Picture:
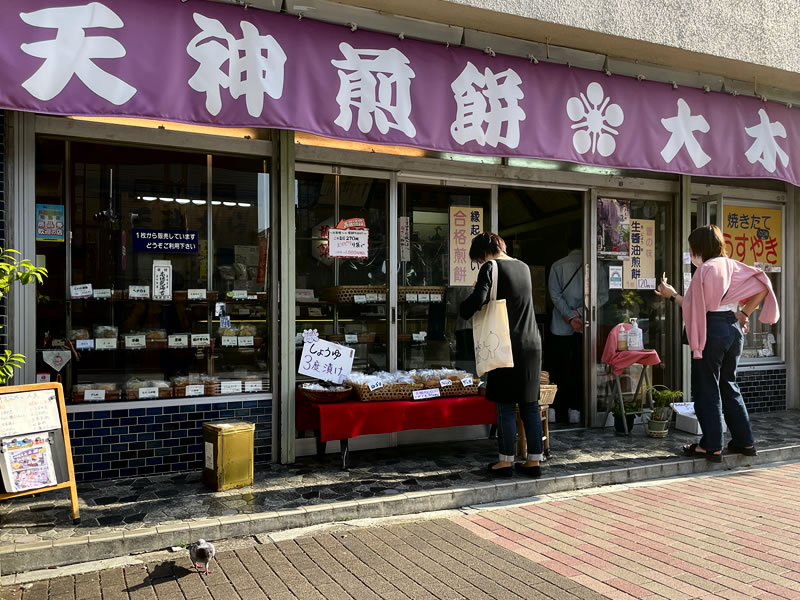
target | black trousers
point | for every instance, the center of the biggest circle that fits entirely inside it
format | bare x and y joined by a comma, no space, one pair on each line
566,371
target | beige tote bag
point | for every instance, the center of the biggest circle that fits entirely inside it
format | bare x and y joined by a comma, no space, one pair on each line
491,333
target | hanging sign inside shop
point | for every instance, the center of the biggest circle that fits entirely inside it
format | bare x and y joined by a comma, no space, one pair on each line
465,223
639,271
57,359
404,238
613,228
753,235
162,240
49,223
325,360
263,254
348,243
162,280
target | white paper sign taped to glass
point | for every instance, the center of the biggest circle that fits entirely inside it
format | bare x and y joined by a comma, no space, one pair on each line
466,222
642,263
326,361
27,462
348,243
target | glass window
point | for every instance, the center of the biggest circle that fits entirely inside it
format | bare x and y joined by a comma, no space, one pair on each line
166,295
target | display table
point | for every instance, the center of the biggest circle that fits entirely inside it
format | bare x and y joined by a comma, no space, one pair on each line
344,420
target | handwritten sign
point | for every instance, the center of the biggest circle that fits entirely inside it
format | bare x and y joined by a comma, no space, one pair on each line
642,263
28,412
404,238
229,341
180,340
141,292
102,294
80,291
84,344
94,395
231,387
197,294
252,386
245,341
350,338
445,383
326,360
201,340
753,234
135,342
465,223
148,392
195,390
426,394
348,243
105,344
375,385
466,381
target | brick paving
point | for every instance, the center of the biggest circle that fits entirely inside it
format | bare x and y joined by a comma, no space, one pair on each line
735,536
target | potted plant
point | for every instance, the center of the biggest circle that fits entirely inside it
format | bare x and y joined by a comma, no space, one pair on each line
632,407
661,415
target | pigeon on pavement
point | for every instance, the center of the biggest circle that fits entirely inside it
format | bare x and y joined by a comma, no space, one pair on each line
201,553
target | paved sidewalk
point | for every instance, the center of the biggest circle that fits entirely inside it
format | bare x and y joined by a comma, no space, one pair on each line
733,536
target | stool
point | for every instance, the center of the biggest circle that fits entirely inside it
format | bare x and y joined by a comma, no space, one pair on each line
644,377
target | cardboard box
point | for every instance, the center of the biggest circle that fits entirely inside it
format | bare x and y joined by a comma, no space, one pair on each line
686,420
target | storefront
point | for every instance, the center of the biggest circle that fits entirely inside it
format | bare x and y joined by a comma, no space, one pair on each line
185,260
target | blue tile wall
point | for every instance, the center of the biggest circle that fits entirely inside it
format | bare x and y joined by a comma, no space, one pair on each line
763,390
136,442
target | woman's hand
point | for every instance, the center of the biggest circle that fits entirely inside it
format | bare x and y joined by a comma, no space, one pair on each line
744,321
665,290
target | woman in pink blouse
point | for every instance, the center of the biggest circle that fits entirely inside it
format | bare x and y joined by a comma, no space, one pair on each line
716,311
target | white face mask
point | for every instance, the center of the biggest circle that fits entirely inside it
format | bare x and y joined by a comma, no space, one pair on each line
697,261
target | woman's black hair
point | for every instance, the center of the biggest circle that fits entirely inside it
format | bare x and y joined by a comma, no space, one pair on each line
707,242
485,244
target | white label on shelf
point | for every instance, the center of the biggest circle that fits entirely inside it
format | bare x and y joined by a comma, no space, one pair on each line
372,297
314,311
445,383
94,395
195,390
239,294
418,337
201,340
135,341
436,297
245,341
466,381
229,341
360,299
411,297
231,387
350,338
141,292
180,340
84,344
197,294
103,294
208,451
80,291
150,392
375,386
424,297
105,344
304,295
381,297
252,386
423,394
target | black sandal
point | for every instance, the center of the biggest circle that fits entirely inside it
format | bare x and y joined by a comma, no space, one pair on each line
690,450
504,472
734,449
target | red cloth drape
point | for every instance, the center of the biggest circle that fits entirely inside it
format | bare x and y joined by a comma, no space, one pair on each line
619,361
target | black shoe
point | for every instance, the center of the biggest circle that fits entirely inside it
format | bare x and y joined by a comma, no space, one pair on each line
734,449
691,450
506,472
534,471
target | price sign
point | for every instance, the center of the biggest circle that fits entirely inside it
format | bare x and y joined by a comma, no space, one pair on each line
178,341
201,340
348,243
80,291
466,381
239,294
195,390
197,294
245,341
360,299
231,387
105,344
418,337
229,341
372,298
424,297
326,361
94,395
104,294
135,342
148,392
252,386
445,383
350,338
425,394
84,344
375,386
436,297
411,297
139,292
381,297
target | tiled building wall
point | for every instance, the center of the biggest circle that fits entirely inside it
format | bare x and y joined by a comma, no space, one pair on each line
763,390
108,444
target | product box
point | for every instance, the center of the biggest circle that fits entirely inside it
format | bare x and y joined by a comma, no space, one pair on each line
686,420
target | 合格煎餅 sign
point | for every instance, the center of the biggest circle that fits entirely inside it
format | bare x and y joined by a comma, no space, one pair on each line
465,223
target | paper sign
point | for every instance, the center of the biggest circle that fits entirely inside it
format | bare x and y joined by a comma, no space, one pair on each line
201,340
753,234
411,297
26,412
197,294
445,383
141,292
304,295
225,322
326,360
103,294
436,297
230,341
314,311
646,283
642,262
467,381
148,392
466,222
687,279
372,298
418,337
245,341
381,297
208,455
49,223
178,341
28,462
404,238
252,386
685,409
351,223
375,386
84,344
195,390
105,344
348,243
424,297
238,294
360,299
231,387
135,342
615,278
43,378
687,258
80,291
162,280
351,338
94,395
424,394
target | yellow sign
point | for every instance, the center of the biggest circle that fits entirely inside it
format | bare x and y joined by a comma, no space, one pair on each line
639,271
753,234
465,223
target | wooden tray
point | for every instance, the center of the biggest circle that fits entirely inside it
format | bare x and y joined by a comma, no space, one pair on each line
419,289
547,393
325,396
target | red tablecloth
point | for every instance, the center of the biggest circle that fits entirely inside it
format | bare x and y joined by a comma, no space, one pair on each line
345,420
621,360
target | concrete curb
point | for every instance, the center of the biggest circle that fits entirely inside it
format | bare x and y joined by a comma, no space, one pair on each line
18,558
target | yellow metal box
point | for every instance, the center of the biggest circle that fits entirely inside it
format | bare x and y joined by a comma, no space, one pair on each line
228,453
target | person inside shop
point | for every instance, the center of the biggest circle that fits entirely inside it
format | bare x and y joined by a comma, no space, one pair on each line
517,385
716,312
565,285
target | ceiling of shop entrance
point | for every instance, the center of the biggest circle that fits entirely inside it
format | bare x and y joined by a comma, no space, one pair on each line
529,209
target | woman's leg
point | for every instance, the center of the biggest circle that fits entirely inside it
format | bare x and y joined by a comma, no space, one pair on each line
733,407
706,385
506,433
531,420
